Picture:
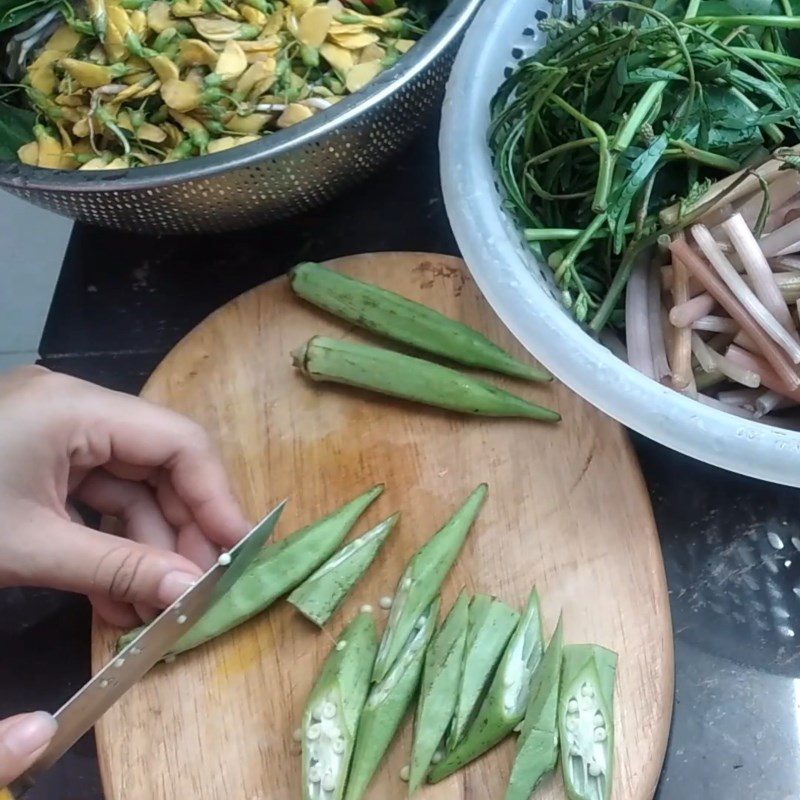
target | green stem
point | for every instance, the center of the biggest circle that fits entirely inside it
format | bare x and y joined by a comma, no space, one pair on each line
750,20
606,167
633,123
569,259
756,55
575,144
563,234
713,160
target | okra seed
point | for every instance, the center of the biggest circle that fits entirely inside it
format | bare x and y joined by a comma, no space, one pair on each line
313,732
298,735
594,770
600,734
182,619
169,659
315,774
328,782
598,720
437,757
338,746
366,609
341,645
328,710
135,651
572,707
316,714
405,773
224,559
385,602
407,583
572,725
103,684
587,691
119,663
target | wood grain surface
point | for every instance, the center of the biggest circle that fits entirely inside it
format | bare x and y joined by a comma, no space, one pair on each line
567,511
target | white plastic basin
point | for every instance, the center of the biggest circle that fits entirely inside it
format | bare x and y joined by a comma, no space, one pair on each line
521,290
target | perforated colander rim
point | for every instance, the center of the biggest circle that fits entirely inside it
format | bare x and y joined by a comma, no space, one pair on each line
447,28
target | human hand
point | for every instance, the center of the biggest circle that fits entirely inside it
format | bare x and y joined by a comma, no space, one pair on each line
23,739
153,470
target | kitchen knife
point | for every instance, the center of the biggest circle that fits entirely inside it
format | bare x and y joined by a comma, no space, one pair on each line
131,663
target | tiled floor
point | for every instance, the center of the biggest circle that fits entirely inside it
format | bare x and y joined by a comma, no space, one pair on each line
32,243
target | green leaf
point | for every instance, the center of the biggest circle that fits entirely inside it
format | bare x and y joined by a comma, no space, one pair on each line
650,74
15,13
16,129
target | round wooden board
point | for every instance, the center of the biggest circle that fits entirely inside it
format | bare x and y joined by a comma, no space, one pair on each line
567,511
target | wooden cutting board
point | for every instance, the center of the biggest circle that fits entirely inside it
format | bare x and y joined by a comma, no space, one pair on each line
567,511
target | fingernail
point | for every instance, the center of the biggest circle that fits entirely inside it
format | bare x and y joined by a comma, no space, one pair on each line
173,585
30,734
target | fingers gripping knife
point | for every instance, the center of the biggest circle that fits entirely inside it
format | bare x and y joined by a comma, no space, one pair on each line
81,712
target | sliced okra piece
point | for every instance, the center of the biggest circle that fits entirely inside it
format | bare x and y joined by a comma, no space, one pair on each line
537,745
439,690
504,706
586,720
395,317
398,375
387,703
491,624
321,593
422,579
334,707
275,571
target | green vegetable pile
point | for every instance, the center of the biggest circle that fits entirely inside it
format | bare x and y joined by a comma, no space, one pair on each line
628,107
481,675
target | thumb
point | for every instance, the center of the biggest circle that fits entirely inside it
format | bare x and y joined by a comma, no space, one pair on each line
22,740
78,559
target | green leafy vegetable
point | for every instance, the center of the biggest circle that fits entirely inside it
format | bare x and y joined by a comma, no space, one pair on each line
581,131
16,125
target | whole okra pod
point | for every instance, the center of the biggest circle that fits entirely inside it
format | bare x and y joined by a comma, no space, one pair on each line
277,570
398,375
387,703
334,708
422,579
537,746
321,593
403,320
439,690
586,720
504,705
491,623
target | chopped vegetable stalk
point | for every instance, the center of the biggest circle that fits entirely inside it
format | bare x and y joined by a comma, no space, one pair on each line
414,324
586,721
422,579
717,289
278,569
491,623
334,707
439,690
322,593
388,702
398,375
745,294
505,703
537,746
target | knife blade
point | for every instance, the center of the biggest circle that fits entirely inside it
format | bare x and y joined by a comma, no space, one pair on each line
131,663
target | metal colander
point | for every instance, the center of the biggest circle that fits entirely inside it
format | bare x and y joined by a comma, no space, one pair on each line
281,174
